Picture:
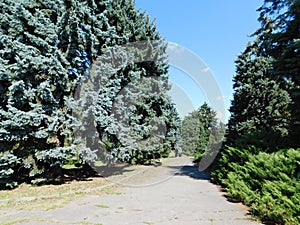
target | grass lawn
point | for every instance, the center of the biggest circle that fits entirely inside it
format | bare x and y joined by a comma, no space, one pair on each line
50,196
47,197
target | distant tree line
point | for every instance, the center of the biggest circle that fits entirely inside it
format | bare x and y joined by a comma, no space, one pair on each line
201,132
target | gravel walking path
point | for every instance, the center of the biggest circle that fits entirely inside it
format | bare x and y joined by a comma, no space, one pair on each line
172,193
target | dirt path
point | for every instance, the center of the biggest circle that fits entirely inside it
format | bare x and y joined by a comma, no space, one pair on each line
172,193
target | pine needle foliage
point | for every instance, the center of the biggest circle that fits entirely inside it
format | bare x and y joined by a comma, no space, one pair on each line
47,49
259,163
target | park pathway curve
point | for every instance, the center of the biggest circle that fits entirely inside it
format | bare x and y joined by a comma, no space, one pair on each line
174,192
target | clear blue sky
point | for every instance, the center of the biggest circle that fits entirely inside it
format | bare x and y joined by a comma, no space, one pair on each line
215,30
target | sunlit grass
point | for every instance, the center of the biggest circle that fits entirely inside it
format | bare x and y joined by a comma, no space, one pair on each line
102,206
48,197
52,221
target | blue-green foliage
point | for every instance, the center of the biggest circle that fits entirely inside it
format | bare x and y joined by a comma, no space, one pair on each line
135,118
43,54
8,163
46,50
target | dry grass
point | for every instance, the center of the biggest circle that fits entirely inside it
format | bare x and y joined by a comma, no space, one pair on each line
47,197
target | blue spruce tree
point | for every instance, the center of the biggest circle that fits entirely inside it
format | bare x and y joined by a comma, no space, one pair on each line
46,52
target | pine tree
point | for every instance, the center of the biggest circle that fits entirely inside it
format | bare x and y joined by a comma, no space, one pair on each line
208,122
259,111
271,118
190,131
265,118
45,49
280,35
46,52
136,122
201,133
260,116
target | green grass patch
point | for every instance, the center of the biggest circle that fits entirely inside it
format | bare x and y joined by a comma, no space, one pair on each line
12,222
138,210
48,197
71,167
111,191
102,206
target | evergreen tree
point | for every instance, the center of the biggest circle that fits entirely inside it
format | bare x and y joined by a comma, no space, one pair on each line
201,134
260,115
136,122
208,122
190,131
43,54
217,135
265,118
46,50
268,71
280,36
259,110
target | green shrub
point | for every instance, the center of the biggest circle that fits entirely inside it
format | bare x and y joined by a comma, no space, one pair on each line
268,183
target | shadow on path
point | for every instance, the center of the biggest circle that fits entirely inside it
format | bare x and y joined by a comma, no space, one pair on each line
191,171
112,170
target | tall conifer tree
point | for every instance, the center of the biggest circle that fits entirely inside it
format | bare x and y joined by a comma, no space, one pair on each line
138,90
281,40
259,111
190,130
46,50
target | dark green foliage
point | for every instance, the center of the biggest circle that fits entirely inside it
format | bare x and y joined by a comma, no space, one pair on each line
215,143
259,111
265,119
280,35
208,122
201,134
269,184
266,102
190,132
